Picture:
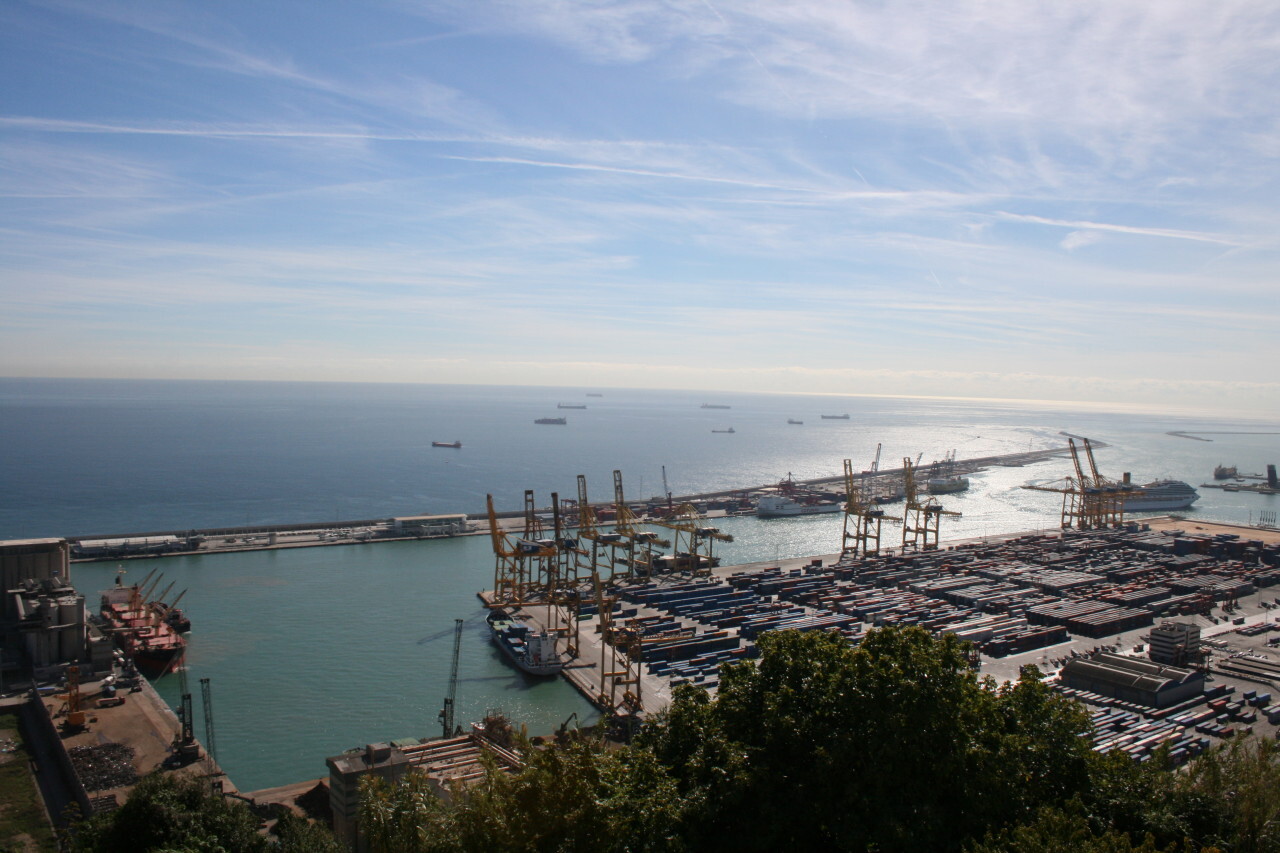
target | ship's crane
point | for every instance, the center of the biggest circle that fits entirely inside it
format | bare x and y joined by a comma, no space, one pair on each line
518,560
694,549
862,516
923,517
640,543
447,725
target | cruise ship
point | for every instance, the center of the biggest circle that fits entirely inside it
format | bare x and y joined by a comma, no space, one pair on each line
1160,495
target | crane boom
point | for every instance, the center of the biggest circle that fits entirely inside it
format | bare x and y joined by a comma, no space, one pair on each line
446,713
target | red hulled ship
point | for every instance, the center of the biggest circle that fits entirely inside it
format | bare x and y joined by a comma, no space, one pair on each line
141,631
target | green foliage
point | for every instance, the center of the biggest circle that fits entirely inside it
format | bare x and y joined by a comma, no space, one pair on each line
22,815
1056,831
175,814
579,796
894,745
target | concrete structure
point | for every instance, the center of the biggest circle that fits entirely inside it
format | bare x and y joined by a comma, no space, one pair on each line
52,626
447,763
1175,643
43,620
453,524
30,559
1132,680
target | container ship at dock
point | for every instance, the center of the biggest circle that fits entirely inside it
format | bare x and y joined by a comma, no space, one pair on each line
531,651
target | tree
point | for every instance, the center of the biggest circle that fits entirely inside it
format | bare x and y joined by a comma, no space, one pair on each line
175,814
893,745
574,796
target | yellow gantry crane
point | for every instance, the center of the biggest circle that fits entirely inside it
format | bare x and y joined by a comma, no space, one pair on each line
1089,501
620,658
694,549
520,566
639,543
923,517
862,517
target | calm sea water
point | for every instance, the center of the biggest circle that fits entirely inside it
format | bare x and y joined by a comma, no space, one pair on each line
312,651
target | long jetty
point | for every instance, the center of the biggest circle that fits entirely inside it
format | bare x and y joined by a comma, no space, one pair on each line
358,531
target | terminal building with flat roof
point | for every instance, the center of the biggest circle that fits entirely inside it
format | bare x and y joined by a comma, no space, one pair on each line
1142,682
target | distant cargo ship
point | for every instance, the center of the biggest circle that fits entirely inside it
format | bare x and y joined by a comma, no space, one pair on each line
555,421
453,444
532,651
571,405
715,406
1160,495
1225,472
835,417
794,421
729,430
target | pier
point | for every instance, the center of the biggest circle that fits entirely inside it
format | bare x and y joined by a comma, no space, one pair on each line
160,543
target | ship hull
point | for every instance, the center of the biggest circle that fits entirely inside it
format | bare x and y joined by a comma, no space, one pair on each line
514,643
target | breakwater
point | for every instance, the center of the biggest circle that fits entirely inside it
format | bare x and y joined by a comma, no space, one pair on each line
154,543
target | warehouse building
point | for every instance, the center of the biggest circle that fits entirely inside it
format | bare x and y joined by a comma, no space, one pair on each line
1132,680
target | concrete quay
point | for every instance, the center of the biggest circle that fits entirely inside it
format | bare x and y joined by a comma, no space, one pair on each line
366,531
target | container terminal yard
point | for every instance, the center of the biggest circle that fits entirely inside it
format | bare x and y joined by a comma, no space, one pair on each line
1164,628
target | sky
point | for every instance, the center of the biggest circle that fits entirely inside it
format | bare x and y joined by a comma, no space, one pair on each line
988,198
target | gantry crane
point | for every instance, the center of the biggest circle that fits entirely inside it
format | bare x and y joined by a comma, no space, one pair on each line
447,726
619,658
1089,501
861,515
639,543
520,562
694,549
922,517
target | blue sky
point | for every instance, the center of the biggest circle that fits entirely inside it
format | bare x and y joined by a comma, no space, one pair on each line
1074,201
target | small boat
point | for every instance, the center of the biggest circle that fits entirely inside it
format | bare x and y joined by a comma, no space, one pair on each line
794,421
844,417
453,444
553,421
729,430
533,652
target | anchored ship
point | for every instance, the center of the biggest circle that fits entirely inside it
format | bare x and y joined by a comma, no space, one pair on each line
453,444
844,417
533,652
1160,495
555,421
571,405
729,430
714,406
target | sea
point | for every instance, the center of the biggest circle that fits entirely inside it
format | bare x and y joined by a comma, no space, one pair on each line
313,651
